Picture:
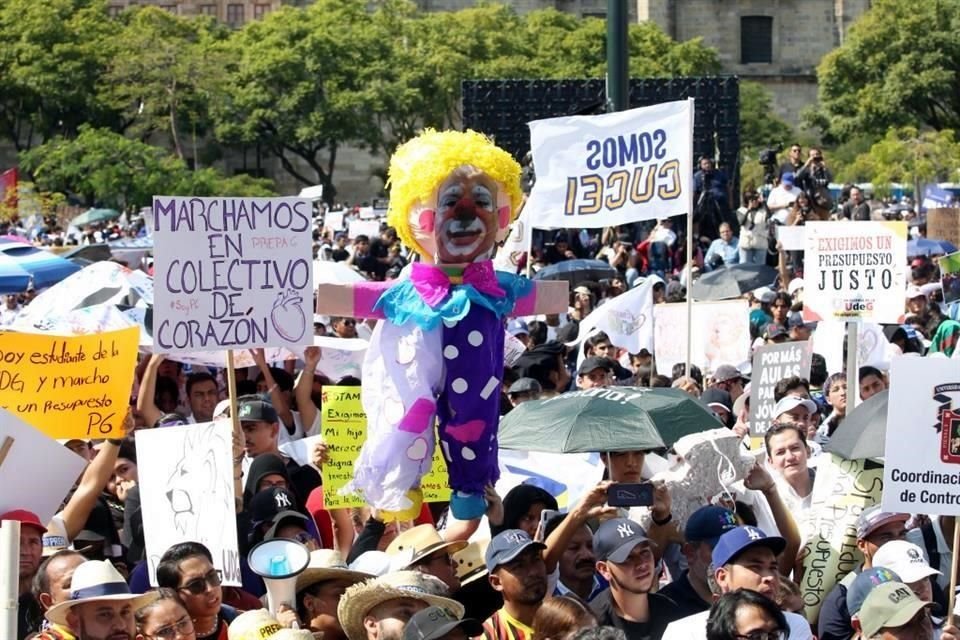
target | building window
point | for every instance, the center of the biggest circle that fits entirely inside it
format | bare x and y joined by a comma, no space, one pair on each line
114,10
756,39
235,15
260,10
208,10
170,8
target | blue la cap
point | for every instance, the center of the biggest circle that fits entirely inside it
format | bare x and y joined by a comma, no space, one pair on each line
708,523
615,539
506,546
864,583
736,541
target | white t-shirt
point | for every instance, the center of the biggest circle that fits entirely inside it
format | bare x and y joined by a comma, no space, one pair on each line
695,627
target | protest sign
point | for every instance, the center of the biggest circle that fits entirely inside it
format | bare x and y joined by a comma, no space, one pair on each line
934,197
922,472
369,228
950,277
36,471
626,319
855,272
842,489
333,220
612,169
873,348
69,386
721,334
944,224
772,363
792,238
517,243
232,273
343,424
186,495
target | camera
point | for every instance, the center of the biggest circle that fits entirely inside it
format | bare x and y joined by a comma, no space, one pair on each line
768,160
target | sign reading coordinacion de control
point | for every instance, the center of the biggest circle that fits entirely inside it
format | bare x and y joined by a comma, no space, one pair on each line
855,271
69,386
232,272
922,466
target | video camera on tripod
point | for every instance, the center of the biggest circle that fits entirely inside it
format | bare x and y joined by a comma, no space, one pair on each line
768,160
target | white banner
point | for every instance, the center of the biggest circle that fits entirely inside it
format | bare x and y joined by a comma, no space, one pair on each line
186,494
627,319
232,273
922,467
607,170
855,271
721,334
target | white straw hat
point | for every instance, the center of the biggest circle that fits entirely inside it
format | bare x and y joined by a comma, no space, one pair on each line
96,581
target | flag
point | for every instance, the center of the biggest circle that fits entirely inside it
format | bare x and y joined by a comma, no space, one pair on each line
627,319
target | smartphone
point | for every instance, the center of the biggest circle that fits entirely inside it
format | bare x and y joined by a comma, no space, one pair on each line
545,516
628,494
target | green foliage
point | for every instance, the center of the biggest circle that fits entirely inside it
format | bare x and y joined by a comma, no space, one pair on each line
899,66
907,156
760,128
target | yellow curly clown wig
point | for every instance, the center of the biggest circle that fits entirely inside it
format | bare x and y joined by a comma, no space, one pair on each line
419,167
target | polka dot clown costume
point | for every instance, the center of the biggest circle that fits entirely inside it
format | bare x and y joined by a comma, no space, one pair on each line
437,356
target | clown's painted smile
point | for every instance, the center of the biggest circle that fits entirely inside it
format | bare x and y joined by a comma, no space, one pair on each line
466,223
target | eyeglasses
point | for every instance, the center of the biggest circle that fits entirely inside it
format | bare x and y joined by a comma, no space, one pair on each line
198,586
761,635
182,627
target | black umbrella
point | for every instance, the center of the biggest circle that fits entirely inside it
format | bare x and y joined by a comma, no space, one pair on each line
862,434
733,281
577,271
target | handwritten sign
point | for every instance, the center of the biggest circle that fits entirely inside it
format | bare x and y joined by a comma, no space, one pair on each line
944,224
721,334
771,364
343,424
855,271
232,272
69,386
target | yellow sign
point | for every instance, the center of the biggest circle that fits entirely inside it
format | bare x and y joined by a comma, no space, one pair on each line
69,386
344,427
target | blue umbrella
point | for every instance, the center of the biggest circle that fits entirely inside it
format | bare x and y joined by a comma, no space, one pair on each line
44,268
928,247
13,277
577,271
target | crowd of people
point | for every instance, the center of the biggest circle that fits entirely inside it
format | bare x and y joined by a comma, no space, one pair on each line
729,571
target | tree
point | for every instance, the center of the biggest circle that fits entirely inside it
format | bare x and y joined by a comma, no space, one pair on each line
102,167
907,156
760,128
900,66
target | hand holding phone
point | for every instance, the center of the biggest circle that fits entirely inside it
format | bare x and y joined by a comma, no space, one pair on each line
630,494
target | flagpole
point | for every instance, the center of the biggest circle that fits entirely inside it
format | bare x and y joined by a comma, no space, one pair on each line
689,256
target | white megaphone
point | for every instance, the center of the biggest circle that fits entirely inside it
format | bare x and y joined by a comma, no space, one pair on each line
279,562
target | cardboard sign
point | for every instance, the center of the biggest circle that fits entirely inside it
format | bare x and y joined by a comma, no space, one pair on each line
721,334
612,169
944,224
333,220
36,472
343,424
772,363
369,228
855,271
922,471
232,273
186,495
793,238
950,277
69,386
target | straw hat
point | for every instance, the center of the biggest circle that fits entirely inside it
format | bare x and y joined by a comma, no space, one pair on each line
421,541
257,624
359,599
96,581
469,562
326,564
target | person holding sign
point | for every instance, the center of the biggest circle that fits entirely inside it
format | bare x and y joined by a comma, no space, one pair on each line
439,355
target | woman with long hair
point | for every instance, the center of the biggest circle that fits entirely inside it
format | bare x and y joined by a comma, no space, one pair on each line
561,618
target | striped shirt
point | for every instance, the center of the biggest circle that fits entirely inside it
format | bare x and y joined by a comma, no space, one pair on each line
502,626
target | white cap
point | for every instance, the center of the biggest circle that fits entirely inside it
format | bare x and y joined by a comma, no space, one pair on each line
764,294
796,283
789,403
913,291
376,563
905,559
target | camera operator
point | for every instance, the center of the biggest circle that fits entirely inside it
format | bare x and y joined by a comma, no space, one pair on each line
793,163
814,179
855,208
754,229
710,187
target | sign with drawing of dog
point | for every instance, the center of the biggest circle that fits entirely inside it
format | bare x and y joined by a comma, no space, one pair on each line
186,494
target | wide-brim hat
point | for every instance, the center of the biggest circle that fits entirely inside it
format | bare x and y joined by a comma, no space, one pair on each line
326,564
97,581
469,563
359,599
420,542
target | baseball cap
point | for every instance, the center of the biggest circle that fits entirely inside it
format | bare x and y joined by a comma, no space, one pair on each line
518,327
789,403
708,523
737,540
274,505
906,559
773,331
728,372
892,604
872,518
436,622
913,291
584,290
506,546
25,518
717,399
795,284
525,385
795,319
595,362
764,294
615,539
787,177
255,409
864,583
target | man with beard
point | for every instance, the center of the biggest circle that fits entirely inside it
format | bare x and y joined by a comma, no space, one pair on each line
516,569
100,606
625,560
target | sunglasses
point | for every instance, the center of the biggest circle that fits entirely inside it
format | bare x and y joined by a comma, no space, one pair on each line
198,586
180,628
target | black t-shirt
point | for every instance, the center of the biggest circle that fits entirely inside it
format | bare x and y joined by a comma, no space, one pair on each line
339,255
682,593
663,611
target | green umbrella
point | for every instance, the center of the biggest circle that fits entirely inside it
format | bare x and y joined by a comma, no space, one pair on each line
607,419
92,216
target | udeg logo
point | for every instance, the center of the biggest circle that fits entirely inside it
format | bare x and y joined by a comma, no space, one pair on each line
851,306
